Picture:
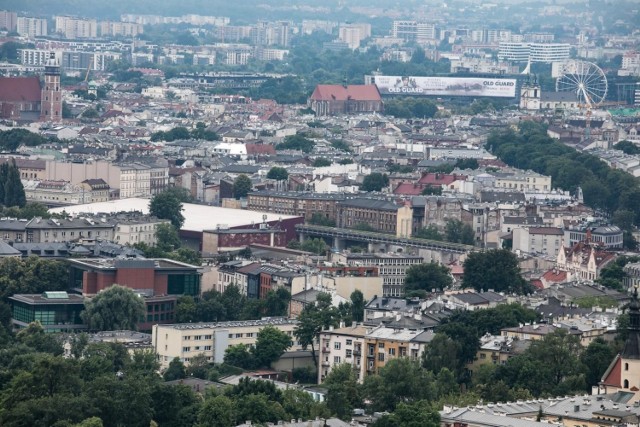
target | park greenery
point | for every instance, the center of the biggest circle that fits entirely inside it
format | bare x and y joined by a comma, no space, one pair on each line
296,142
11,139
609,190
427,277
410,107
455,231
270,344
375,181
213,306
182,133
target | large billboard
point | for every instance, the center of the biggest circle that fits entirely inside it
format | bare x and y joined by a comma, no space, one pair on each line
445,86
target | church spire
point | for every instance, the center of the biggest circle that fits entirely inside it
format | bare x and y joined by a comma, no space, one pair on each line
632,345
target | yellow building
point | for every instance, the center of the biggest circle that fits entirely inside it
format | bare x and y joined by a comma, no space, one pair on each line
186,340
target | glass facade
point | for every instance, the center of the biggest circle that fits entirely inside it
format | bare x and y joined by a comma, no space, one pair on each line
183,284
49,315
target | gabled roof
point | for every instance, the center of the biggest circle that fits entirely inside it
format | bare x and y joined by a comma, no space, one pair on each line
341,93
20,89
613,373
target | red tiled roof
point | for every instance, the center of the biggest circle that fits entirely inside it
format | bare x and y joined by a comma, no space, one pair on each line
253,149
20,89
409,189
537,284
555,276
341,93
440,178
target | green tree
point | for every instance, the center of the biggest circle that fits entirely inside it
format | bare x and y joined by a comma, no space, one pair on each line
175,371
271,343
217,411
627,147
458,232
497,269
167,238
357,305
240,356
467,164
596,358
278,173
427,276
296,142
167,205
321,162
316,246
311,321
399,380
14,194
343,391
429,232
375,182
241,186
416,414
115,308
318,218
431,190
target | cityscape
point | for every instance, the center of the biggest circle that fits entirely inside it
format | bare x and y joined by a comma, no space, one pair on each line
349,213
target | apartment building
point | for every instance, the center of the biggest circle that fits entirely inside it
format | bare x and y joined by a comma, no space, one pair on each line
131,179
296,203
414,31
607,236
119,29
391,267
185,341
519,180
8,20
376,214
76,28
368,349
538,240
31,27
124,228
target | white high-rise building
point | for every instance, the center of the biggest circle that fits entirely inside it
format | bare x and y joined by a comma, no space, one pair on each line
534,52
31,27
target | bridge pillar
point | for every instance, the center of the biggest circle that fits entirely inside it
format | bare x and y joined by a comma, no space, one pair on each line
301,237
338,243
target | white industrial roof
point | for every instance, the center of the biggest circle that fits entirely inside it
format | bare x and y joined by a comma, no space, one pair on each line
197,217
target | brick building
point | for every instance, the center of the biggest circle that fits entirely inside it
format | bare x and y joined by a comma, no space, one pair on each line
330,100
296,203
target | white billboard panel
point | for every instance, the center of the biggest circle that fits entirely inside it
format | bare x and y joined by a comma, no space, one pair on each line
445,86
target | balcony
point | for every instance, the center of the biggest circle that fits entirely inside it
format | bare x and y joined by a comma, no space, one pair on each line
357,352
325,363
326,350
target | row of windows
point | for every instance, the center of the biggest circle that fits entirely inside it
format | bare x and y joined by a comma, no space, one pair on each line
196,348
195,337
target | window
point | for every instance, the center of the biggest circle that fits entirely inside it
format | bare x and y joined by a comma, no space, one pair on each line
380,357
208,337
626,366
336,345
349,342
197,337
348,353
230,335
336,359
186,349
249,334
238,335
207,348
392,352
380,345
626,383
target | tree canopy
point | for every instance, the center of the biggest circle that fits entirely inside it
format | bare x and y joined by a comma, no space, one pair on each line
278,173
427,276
375,181
496,270
168,205
115,308
241,186
296,142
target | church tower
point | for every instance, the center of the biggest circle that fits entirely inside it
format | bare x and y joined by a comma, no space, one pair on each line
624,372
51,98
530,95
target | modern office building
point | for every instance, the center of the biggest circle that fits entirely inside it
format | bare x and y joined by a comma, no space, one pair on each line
534,52
56,311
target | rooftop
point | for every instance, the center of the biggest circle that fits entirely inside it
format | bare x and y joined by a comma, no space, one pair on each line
197,217
274,321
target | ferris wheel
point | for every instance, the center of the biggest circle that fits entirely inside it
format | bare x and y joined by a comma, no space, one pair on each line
586,80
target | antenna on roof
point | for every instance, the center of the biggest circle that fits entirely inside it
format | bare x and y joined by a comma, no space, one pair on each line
344,80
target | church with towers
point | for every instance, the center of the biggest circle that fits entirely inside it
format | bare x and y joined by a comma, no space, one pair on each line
30,99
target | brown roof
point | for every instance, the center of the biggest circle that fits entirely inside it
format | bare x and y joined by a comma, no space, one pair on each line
20,89
254,149
341,93
546,231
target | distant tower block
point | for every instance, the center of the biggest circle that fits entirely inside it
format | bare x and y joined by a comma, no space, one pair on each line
51,102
